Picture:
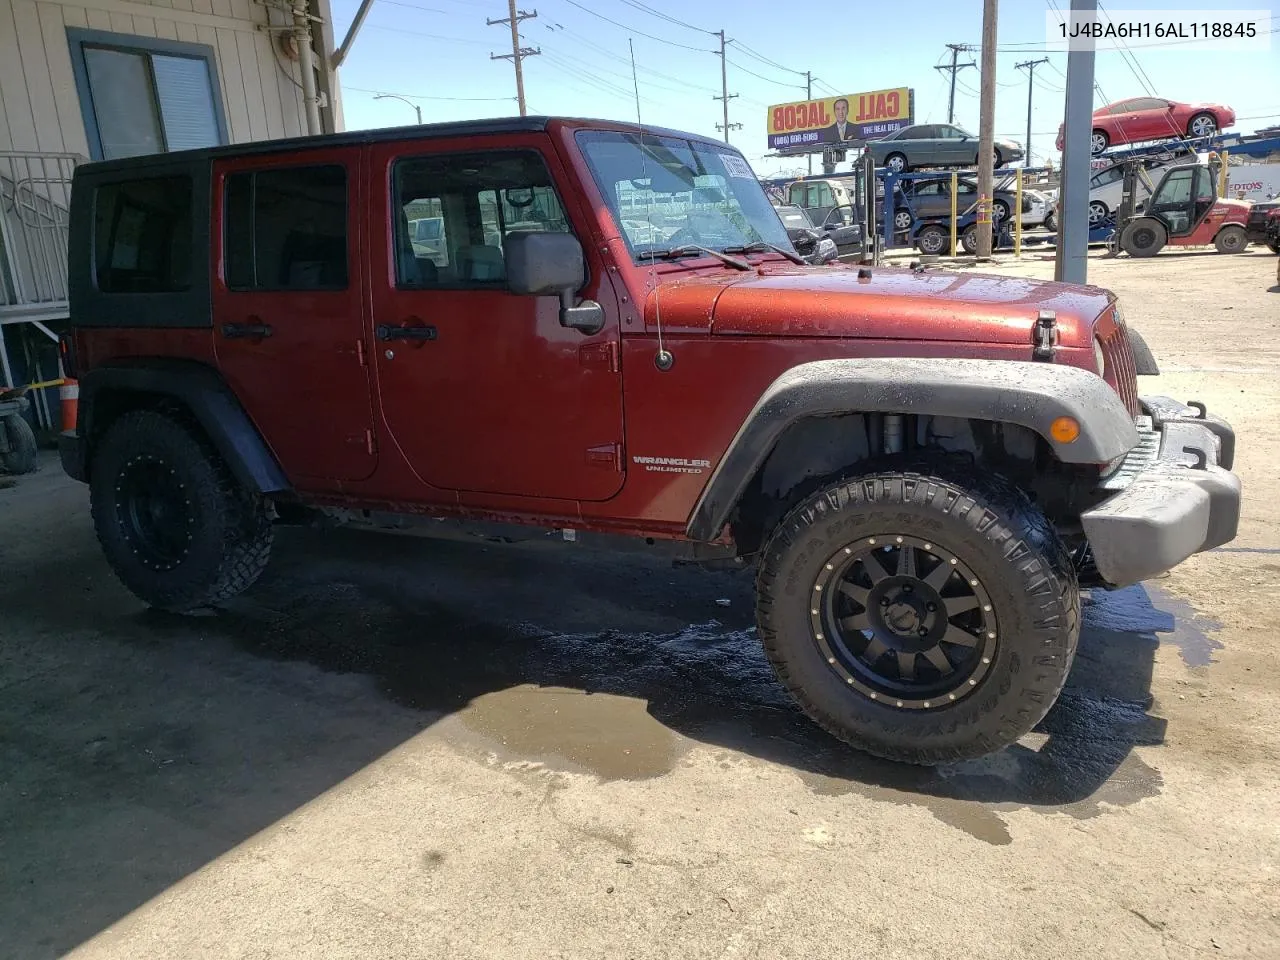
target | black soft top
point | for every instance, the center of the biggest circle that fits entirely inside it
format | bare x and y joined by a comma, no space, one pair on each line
459,128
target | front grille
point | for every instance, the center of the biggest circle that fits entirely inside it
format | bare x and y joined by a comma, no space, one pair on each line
1121,372
1142,457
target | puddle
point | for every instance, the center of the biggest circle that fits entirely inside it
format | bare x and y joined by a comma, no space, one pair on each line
1149,610
613,737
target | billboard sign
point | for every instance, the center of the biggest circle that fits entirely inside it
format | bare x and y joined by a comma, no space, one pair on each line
854,116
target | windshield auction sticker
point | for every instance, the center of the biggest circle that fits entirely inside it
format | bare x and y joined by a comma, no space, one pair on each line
1241,31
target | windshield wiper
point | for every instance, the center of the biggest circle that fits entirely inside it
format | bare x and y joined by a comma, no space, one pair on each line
688,250
761,246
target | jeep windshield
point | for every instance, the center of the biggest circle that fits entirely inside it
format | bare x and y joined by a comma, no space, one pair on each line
675,197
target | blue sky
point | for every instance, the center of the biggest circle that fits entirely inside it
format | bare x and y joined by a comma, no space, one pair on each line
437,52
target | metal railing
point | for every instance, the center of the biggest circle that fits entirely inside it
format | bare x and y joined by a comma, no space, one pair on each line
35,205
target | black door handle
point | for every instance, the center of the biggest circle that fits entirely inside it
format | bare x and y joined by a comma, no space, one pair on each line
242,331
388,332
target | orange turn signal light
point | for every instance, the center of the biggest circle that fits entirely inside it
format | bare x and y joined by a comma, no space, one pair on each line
1064,429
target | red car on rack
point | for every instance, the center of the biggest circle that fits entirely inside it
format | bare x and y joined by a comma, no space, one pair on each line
1153,118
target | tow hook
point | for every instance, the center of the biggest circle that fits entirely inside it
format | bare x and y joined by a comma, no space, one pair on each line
1199,408
1202,459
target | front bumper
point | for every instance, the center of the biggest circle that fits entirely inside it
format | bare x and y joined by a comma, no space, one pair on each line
1176,495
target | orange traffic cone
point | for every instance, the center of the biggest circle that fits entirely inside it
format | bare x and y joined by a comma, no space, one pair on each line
69,395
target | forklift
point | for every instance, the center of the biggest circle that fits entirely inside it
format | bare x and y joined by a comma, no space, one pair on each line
1184,210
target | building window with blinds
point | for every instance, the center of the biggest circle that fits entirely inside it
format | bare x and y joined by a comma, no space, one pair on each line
139,95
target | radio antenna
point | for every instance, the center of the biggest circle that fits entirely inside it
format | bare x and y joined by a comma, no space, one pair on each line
662,359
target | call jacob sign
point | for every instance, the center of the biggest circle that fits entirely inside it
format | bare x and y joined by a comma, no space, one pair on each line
854,116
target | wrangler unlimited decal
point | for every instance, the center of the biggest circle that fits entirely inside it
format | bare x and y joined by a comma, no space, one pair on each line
672,464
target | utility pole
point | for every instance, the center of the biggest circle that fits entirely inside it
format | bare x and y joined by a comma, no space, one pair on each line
987,129
808,95
1071,259
956,49
725,95
1030,67
518,53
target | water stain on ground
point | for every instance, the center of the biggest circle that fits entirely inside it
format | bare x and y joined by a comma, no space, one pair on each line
1148,609
610,736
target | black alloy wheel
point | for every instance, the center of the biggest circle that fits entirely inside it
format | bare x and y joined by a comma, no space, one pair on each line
901,620
154,512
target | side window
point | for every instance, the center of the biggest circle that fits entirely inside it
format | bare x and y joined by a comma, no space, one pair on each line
1205,189
142,236
935,189
452,214
825,198
964,187
286,229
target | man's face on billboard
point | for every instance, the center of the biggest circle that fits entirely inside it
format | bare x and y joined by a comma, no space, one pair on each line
841,108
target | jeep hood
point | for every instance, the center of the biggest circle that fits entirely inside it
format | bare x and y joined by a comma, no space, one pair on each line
895,304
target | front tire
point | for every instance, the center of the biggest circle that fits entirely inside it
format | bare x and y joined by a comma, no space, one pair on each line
924,613
1144,237
176,528
896,163
932,240
1099,140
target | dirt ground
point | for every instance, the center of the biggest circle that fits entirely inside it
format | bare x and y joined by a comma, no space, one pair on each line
398,748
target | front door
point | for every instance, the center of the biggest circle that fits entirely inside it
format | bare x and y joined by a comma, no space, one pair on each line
483,390
287,306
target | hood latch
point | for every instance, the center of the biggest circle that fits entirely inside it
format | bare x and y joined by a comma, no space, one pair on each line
1046,335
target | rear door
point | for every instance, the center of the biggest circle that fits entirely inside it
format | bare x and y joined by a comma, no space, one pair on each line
482,390
289,319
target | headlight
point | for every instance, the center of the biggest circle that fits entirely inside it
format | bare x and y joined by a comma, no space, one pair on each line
826,246
1099,357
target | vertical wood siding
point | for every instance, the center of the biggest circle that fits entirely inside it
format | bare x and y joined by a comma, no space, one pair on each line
39,103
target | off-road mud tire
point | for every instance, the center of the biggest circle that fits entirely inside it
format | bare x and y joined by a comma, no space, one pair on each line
229,531
998,534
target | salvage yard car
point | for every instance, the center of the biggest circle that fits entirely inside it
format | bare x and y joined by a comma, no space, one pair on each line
935,145
1152,118
813,245
923,469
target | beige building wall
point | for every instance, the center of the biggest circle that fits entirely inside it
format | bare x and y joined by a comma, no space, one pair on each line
39,103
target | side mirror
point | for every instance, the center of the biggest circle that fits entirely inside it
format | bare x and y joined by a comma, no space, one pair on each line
542,264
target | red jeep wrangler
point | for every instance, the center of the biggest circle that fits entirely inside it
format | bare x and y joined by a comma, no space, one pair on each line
602,331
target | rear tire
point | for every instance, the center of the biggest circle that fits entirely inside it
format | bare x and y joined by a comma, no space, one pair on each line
1231,239
22,455
176,528
969,239
894,671
896,163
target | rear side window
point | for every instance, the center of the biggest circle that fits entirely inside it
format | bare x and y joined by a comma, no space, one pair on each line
142,236
286,229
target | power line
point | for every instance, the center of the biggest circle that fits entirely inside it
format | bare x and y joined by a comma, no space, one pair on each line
670,19
780,83
423,96
615,73
414,6
429,36
763,59
560,28
639,33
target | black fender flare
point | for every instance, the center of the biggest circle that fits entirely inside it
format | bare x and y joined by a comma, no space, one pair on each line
1029,394
202,392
